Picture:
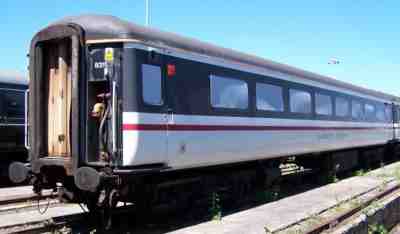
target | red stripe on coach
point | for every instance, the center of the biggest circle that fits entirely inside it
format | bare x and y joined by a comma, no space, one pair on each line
185,127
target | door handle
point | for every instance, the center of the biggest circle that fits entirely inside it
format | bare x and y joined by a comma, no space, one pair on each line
114,117
26,138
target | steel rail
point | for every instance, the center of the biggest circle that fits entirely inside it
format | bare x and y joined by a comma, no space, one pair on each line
335,221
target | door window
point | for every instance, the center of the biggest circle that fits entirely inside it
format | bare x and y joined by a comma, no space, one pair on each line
151,85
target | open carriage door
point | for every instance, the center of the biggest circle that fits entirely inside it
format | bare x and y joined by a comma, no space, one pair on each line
59,99
54,95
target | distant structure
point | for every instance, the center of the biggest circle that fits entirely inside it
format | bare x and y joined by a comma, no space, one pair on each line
13,77
334,61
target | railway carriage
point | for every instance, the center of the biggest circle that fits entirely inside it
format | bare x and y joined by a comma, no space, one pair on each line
396,126
124,112
12,109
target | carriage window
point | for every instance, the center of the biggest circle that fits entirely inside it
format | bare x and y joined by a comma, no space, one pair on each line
380,113
323,104
269,97
300,101
398,115
228,93
357,111
14,104
342,107
151,84
389,113
369,111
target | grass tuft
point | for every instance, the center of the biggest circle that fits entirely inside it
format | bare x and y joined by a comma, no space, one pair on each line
215,208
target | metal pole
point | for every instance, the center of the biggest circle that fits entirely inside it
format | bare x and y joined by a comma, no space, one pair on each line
147,12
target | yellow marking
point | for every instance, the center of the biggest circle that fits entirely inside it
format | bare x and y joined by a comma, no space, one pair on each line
109,55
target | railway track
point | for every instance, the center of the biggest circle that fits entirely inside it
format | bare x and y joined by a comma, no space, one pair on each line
21,194
392,190
22,211
54,220
60,216
30,204
9,199
20,200
37,214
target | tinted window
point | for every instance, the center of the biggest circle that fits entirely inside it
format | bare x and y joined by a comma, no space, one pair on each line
269,97
380,113
357,111
323,104
342,107
300,101
398,115
228,93
151,79
14,104
389,113
369,111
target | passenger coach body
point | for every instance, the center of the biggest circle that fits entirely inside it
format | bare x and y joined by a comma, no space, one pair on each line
210,112
12,110
396,127
121,109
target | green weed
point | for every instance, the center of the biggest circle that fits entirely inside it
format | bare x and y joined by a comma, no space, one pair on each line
377,229
360,172
215,208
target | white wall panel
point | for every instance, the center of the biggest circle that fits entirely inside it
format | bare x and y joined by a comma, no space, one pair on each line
192,147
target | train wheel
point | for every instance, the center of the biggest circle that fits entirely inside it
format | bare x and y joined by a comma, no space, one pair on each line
102,207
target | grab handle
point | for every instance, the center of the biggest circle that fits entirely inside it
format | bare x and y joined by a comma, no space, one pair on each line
114,117
26,125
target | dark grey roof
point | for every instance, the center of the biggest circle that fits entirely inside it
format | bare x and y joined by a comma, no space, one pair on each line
12,77
98,27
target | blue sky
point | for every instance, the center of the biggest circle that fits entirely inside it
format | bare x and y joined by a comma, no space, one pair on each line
363,35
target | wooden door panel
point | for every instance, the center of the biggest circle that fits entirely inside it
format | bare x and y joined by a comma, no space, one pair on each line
59,104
